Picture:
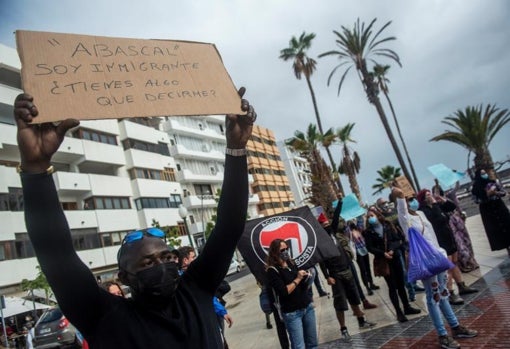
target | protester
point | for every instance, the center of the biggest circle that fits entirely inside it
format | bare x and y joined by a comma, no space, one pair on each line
165,311
362,258
384,242
435,286
437,212
113,288
495,215
293,296
465,254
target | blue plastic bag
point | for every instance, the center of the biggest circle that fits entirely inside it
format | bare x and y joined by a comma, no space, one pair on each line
424,260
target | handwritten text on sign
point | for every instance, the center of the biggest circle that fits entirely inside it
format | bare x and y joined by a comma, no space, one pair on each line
90,77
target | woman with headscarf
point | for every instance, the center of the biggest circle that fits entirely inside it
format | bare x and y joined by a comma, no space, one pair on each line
291,288
495,215
385,243
435,286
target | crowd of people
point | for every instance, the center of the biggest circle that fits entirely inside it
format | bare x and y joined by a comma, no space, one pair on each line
177,298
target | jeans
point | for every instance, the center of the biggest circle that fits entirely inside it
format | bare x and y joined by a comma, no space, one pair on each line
436,286
302,328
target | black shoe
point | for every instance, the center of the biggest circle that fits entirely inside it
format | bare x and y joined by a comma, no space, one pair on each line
323,294
370,292
269,326
374,287
401,317
418,289
411,311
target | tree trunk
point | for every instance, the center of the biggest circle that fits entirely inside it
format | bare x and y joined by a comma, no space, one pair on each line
351,173
483,160
371,90
415,177
319,124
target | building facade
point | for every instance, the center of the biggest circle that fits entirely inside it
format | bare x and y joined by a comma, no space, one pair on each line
298,172
270,181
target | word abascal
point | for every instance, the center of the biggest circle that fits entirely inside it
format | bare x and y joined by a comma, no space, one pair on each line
103,50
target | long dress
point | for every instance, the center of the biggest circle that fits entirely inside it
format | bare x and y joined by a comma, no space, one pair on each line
465,256
495,214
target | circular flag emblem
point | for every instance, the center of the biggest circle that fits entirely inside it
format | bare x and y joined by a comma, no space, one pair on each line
296,231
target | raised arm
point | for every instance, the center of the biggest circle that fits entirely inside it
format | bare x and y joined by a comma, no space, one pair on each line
47,227
211,266
403,213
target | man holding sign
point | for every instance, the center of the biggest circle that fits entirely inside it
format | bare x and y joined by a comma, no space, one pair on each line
166,311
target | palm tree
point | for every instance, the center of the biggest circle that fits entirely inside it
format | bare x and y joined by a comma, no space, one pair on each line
323,192
474,129
350,162
387,175
304,65
355,47
380,72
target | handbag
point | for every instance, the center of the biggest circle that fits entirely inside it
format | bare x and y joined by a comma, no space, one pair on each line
265,302
425,261
381,265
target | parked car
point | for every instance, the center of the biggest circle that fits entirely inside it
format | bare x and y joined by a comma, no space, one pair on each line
234,267
53,330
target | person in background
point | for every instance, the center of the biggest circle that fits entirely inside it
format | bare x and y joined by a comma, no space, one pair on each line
488,193
113,288
436,212
362,257
436,189
435,286
465,254
384,241
165,310
291,289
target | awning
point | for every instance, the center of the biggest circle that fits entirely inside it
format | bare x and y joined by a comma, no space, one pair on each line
16,305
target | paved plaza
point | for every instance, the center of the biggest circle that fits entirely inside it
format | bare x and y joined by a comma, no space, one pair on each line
487,311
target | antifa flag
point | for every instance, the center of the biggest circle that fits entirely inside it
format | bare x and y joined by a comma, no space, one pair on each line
308,242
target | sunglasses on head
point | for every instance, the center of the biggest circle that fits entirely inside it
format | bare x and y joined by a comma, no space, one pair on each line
139,234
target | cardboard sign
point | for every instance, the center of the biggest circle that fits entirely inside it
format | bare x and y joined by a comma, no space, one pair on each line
405,186
92,77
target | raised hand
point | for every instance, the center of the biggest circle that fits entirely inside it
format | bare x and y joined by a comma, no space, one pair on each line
37,142
239,127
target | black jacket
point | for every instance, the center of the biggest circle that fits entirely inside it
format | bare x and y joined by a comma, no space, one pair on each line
109,321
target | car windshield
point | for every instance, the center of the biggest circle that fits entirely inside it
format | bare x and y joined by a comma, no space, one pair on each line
51,315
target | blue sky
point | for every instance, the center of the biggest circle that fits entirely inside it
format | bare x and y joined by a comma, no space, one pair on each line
454,54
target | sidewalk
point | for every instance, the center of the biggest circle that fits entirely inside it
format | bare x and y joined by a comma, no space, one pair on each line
487,311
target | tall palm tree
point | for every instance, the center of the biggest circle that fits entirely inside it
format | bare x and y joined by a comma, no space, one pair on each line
304,65
380,72
474,129
355,47
323,189
350,162
387,175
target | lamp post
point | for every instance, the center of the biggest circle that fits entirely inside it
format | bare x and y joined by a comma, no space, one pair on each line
183,213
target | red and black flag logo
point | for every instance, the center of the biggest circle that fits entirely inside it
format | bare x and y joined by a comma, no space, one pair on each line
308,242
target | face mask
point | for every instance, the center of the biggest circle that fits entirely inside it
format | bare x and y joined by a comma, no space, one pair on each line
285,256
157,282
485,176
413,205
372,220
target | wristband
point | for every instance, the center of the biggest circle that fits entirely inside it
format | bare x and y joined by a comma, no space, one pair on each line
235,152
295,283
48,171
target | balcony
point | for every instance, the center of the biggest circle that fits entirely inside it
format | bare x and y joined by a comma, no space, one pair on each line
175,126
70,183
101,157
179,150
132,130
102,185
70,151
196,228
188,176
196,201
253,199
116,220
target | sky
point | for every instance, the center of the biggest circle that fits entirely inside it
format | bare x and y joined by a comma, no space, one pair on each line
454,54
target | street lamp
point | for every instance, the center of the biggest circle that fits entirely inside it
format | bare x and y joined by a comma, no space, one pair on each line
183,213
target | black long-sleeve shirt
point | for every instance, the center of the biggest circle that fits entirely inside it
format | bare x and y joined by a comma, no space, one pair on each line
278,278
109,321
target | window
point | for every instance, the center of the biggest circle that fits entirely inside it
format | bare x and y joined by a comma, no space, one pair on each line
143,203
159,148
175,200
12,201
107,203
85,239
69,206
169,174
113,238
96,136
203,189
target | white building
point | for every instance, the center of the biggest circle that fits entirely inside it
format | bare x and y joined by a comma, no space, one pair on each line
298,172
113,176
197,143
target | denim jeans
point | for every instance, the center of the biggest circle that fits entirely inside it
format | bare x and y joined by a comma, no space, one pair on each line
436,285
302,328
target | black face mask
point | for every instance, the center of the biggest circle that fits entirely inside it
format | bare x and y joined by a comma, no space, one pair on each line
285,256
157,283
